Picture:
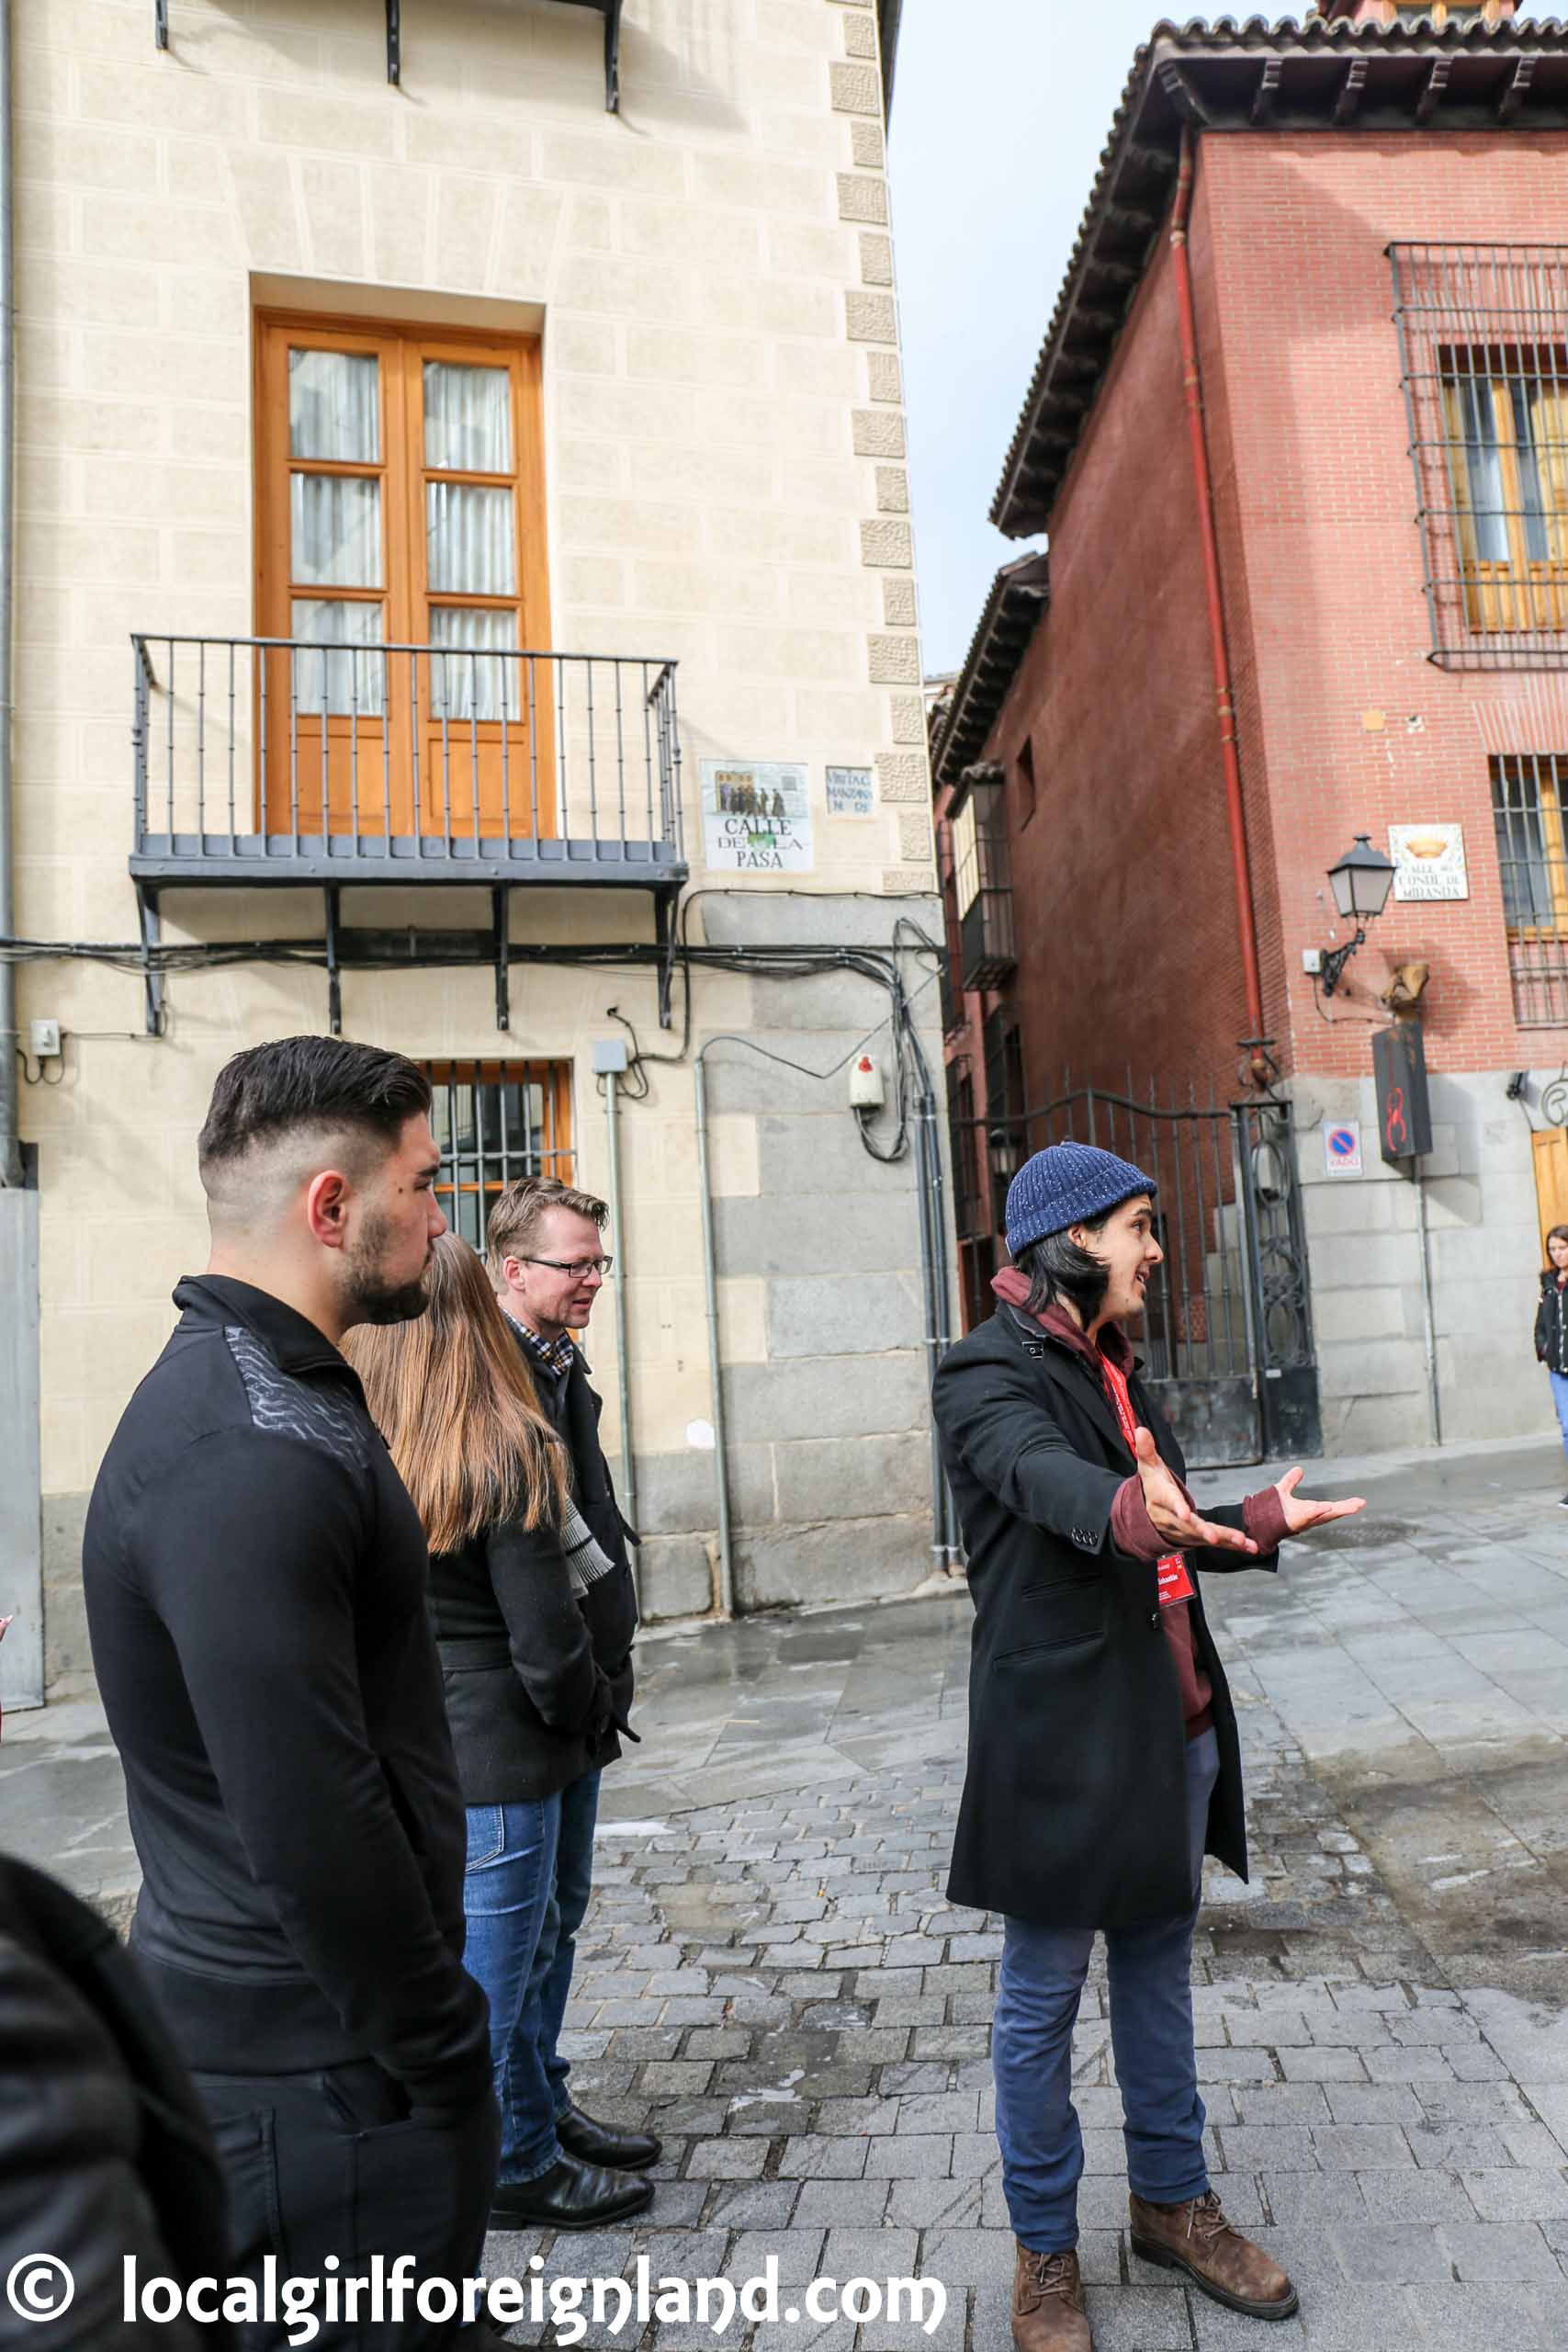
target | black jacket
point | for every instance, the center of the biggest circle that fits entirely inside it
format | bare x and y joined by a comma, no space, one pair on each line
105,2153
525,1664
1074,1810
574,1408
1551,1324
256,1595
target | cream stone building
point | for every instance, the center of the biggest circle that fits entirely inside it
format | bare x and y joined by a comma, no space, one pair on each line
463,588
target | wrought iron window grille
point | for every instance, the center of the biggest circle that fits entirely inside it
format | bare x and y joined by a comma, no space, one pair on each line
1483,343
493,1123
983,878
1529,811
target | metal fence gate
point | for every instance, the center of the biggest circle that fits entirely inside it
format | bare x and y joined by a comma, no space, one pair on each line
1226,1339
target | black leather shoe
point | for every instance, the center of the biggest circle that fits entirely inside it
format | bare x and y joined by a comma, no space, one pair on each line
570,2196
600,2144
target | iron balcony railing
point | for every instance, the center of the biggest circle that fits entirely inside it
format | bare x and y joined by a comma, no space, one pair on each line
272,757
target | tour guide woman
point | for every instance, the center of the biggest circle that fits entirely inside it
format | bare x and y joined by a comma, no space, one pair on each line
1103,1760
533,1631
1552,1326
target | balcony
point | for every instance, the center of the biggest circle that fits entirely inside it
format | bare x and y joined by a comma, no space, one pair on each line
271,763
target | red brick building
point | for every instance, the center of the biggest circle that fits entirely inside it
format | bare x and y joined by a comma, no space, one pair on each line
1338,607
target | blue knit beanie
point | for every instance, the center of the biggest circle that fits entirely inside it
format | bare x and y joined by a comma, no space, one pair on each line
1068,1183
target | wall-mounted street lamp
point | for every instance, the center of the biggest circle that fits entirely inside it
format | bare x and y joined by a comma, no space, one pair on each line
1005,1153
1360,882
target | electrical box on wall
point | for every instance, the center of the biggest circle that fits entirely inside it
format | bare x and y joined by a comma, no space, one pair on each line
45,1035
867,1090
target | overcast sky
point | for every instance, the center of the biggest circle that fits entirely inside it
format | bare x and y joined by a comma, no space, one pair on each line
996,138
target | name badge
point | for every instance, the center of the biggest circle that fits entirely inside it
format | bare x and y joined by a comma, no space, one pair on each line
1175,1584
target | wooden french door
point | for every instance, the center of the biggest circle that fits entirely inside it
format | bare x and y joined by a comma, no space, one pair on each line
400,503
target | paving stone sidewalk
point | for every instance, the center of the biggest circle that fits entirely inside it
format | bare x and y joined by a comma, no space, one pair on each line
775,1978
771,1972
784,1989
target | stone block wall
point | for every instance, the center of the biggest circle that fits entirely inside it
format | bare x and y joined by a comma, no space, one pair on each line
712,279
822,1299
1483,1249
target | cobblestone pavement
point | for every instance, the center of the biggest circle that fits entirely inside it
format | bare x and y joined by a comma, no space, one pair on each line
771,1972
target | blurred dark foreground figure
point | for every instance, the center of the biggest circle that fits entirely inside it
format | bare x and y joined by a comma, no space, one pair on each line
105,2153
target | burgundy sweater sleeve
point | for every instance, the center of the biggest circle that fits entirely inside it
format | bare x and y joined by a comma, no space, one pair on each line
1131,1528
1265,1516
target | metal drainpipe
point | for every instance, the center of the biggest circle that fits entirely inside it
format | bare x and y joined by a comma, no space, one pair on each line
10,1147
1192,392
1429,1318
715,1366
623,1370
933,1243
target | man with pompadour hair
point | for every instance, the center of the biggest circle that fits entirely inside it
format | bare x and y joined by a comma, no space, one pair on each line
255,1580
1103,1759
544,1250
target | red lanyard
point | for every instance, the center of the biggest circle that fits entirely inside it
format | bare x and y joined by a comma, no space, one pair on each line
1175,1584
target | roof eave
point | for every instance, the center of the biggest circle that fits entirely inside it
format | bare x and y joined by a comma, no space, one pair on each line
1236,77
1013,608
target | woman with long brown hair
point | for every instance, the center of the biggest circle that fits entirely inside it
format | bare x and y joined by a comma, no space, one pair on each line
1552,1326
524,1609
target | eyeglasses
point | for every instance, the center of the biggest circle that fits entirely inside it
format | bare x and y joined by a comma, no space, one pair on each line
582,1267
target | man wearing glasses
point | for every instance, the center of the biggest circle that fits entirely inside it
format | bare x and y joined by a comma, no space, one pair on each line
543,1245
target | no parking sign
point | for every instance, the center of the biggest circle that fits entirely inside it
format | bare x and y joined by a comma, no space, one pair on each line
1342,1148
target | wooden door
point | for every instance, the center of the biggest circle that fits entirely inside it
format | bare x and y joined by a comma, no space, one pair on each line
401,509
1550,1147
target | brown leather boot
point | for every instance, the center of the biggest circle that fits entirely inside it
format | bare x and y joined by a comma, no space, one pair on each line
1047,2304
1197,2238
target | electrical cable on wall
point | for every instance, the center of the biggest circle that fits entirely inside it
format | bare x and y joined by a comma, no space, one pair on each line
879,965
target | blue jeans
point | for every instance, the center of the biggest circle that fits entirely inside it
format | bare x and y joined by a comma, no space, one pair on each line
1041,1980
524,1892
1560,1398
557,1939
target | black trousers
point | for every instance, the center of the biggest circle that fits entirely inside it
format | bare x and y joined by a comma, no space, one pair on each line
332,2163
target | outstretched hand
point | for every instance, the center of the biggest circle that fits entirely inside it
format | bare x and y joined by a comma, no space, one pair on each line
1173,1516
1300,1516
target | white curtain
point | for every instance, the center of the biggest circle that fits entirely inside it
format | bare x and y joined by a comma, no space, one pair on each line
467,419
1483,468
335,410
336,528
342,683
473,546
462,688
1535,406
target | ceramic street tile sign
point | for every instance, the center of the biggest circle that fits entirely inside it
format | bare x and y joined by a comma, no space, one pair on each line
1428,861
850,793
756,817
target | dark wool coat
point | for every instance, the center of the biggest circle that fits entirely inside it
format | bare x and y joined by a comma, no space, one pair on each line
1551,1324
527,1662
104,2152
1073,1812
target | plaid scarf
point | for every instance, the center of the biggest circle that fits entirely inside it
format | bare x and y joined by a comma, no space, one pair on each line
587,1560
585,1557
556,1355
